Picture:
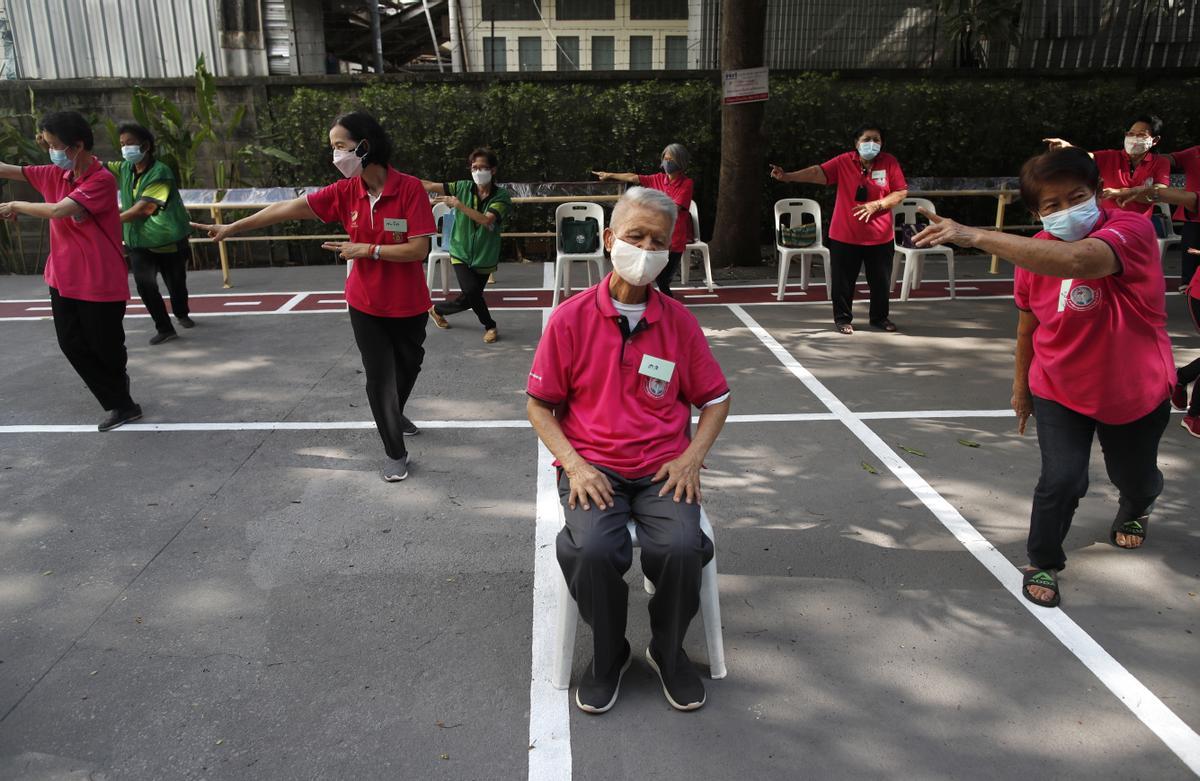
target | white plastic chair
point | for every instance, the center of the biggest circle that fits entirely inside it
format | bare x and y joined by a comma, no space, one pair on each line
914,259
1172,237
795,209
710,612
696,245
443,217
578,210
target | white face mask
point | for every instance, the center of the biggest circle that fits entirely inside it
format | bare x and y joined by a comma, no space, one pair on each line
348,162
1074,223
1136,145
635,265
867,150
482,177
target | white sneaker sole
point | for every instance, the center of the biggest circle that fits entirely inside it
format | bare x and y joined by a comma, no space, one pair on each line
670,699
616,691
1188,430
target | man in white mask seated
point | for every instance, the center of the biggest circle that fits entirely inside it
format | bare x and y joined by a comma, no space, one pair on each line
614,380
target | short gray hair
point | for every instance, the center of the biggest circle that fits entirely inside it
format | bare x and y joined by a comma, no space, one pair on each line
644,198
679,153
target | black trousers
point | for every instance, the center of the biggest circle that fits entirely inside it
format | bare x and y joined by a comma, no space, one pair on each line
1065,439
471,283
664,278
595,552
92,336
392,352
146,266
1190,373
846,261
1190,240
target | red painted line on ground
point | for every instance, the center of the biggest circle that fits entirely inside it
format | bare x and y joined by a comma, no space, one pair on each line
240,303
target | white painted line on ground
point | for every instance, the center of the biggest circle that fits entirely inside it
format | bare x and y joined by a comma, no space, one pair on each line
1157,717
934,413
548,275
38,308
960,287
331,301
520,298
290,304
549,708
701,295
244,303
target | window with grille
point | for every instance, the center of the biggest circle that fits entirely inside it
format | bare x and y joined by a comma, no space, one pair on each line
511,10
602,53
567,52
658,9
641,52
573,10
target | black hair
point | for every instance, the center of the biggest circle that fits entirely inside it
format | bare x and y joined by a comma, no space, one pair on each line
484,152
363,127
70,127
1156,124
869,126
1070,164
140,132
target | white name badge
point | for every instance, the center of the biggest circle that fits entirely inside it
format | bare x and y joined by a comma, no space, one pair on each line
395,225
658,368
879,178
1064,293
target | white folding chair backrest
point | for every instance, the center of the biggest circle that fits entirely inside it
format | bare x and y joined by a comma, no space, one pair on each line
694,213
1165,211
579,210
906,212
795,209
441,212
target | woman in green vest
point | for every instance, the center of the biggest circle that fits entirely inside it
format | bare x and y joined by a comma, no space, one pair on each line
155,227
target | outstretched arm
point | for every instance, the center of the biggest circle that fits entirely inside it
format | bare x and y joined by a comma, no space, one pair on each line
814,174
606,176
295,209
1085,259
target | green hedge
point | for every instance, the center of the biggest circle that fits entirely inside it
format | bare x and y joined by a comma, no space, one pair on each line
552,131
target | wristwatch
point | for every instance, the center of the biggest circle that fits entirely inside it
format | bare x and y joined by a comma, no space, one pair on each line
377,252
1154,193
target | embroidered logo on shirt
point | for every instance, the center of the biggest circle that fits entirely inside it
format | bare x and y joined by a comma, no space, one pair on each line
656,388
1083,298
354,218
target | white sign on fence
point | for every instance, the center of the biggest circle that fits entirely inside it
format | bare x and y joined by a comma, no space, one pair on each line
748,85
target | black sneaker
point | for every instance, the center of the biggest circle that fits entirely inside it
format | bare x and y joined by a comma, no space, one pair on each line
684,689
119,417
598,695
163,336
186,321
394,469
408,428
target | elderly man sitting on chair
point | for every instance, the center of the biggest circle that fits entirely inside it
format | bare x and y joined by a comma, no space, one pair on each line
611,390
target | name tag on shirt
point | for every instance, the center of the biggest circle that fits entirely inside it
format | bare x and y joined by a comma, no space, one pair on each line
657,368
879,178
395,225
1064,293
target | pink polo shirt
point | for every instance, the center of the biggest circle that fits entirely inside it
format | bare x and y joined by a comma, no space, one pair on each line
1189,161
1101,345
614,416
882,177
381,287
86,259
1115,174
680,191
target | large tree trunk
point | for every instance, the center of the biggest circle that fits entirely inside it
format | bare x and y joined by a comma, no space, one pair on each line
736,234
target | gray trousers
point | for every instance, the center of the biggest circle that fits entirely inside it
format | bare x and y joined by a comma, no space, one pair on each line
595,552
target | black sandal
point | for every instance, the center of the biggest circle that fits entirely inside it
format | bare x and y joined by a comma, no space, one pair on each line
1042,578
1130,527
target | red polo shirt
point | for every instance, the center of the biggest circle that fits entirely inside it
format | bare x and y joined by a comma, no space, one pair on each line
1189,161
380,287
882,177
679,191
615,416
86,260
1101,345
1115,174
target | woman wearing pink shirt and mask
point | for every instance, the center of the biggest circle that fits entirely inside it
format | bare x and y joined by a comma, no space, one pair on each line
861,231
1089,287
85,271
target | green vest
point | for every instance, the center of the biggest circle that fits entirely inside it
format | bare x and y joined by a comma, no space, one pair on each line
168,224
470,242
